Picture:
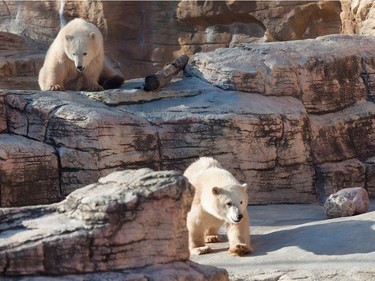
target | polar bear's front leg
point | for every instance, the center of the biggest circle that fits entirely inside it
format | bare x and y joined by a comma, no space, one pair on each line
239,237
212,235
50,78
197,229
91,85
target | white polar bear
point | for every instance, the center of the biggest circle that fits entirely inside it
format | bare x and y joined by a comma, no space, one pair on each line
219,200
75,61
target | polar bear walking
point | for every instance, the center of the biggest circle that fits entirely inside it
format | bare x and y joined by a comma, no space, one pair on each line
75,61
219,200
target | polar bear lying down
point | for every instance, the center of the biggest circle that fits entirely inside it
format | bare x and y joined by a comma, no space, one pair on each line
219,200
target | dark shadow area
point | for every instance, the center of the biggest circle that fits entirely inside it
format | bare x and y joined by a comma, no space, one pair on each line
335,238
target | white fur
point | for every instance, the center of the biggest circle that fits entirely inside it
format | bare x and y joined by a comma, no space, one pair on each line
219,199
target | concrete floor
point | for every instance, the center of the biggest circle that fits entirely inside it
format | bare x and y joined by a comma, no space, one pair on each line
298,242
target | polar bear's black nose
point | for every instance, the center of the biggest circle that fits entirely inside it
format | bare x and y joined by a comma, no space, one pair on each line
80,67
239,217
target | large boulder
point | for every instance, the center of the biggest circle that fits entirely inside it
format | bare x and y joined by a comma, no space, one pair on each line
347,202
127,225
327,74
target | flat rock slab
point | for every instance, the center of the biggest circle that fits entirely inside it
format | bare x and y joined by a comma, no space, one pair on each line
328,74
298,242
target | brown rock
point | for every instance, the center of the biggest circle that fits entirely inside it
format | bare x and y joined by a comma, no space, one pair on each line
357,17
315,71
347,134
359,197
153,33
29,172
337,206
133,219
370,176
91,139
347,202
338,175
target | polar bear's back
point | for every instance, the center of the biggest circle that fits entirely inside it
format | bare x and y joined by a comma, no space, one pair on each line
203,163
206,172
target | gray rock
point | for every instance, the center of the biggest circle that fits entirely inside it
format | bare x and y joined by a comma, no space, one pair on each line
287,151
128,220
338,206
359,197
347,202
29,172
324,73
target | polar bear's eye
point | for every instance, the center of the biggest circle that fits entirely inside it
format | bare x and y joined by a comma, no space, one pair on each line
74,54
84,54
241,202
229,204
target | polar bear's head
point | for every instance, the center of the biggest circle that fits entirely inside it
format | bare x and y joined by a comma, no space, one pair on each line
82,48
227,203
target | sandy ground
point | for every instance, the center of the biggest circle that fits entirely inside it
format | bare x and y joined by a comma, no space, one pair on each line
298,242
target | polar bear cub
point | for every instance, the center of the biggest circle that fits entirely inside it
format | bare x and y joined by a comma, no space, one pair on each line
219,200
75,61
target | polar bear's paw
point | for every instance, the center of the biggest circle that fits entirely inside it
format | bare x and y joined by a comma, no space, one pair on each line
201,250
94,88
56,87
212,239
240,250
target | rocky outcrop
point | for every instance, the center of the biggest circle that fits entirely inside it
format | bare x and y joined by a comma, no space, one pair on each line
131,224
153,33
266,119
29,173
145,35
337,97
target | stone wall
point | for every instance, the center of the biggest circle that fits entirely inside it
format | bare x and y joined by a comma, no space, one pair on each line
286,117
295,120
144,35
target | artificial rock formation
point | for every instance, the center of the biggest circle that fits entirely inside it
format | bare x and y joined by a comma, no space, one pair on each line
329,76
263,116
131,225
153,33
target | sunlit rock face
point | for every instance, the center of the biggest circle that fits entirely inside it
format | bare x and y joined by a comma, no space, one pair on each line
293,119
144,35
130,225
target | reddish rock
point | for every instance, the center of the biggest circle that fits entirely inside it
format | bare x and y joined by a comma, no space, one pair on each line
359,197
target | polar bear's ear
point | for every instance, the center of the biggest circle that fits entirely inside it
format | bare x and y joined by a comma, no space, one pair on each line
69,37
92,35
216,190
244,187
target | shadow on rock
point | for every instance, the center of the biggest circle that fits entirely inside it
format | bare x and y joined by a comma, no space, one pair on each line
335,238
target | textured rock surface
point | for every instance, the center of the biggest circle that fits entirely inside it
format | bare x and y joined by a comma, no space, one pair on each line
152,33
129,219
287,150
358,17
90,139
325,73
359,197
337,206
29,173
138,28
